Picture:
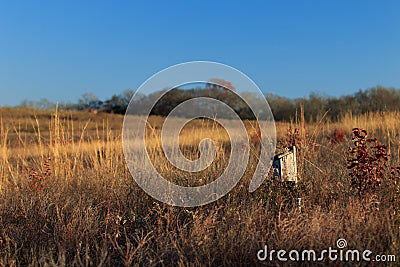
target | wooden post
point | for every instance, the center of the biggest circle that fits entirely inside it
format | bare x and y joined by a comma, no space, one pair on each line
285,166
285,172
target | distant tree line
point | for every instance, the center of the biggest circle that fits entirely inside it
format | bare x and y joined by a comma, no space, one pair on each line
88,101
374,99
284,109
168,100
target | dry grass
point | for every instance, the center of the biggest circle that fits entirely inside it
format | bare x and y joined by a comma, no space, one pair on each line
67,198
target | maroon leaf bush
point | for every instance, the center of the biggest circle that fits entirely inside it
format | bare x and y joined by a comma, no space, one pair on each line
369,162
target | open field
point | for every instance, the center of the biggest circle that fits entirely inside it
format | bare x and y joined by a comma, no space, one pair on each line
67,197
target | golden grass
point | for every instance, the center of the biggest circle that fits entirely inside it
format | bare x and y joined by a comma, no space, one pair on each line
67,198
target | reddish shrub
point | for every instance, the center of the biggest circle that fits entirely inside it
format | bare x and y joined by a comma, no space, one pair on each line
369,162
338,136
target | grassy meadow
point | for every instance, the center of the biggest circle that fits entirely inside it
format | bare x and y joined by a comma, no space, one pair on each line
67,197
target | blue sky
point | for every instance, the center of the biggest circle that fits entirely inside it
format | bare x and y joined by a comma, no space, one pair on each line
62,49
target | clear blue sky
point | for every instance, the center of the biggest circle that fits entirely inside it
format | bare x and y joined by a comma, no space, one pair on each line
62,49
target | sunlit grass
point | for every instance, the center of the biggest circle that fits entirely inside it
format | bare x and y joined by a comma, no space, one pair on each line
67,197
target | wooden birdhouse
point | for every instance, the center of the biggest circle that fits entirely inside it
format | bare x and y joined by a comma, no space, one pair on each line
285,167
